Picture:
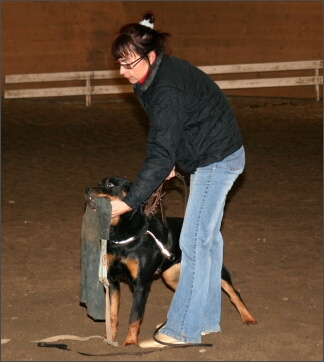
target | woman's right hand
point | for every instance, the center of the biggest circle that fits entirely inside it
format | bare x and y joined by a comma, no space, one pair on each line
118,207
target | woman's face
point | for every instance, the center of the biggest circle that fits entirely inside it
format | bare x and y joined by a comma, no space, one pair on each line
138,65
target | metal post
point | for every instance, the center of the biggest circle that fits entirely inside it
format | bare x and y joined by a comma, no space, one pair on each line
88,94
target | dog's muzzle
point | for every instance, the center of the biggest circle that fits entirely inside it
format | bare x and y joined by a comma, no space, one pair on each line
91,200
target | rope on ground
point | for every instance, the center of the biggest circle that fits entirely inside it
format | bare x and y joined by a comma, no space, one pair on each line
66,336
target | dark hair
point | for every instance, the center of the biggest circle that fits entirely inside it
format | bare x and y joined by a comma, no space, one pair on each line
138,38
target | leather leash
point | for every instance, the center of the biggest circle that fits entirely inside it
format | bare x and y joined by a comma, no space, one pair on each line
155,200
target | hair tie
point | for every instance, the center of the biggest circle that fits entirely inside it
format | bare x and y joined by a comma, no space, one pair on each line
147,23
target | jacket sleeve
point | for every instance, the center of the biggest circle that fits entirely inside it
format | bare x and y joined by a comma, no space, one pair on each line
166,115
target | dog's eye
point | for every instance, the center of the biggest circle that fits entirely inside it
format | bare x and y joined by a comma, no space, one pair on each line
110,185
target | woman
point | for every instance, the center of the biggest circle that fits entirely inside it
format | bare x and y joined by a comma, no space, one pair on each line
192,127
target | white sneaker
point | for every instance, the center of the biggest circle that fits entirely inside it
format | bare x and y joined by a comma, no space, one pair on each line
158,326
164,341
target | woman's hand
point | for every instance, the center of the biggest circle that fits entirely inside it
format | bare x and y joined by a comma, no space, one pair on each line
118,207
172,174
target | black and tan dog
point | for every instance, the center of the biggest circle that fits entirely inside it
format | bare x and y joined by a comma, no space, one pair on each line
141,249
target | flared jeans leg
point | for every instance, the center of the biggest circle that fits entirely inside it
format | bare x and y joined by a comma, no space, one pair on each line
196,304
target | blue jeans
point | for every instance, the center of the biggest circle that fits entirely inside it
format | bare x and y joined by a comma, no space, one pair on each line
196,304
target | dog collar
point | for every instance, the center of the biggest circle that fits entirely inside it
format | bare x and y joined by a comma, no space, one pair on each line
163,250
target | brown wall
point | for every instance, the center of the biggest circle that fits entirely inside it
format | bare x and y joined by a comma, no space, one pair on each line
62,36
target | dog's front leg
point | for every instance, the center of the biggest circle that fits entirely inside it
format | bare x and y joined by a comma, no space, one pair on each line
114,292
140,294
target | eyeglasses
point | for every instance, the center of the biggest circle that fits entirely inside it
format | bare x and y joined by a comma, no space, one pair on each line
130,65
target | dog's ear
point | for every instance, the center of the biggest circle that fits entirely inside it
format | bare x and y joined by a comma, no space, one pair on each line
117,186
126,186
104,182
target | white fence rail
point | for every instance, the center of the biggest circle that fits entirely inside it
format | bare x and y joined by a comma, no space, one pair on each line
88,89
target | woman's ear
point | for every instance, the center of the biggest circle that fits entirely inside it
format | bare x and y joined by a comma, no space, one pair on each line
152,56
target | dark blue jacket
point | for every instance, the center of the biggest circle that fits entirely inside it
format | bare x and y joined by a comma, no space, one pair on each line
191,124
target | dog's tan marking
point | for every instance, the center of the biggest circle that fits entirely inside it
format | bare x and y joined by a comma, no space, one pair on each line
109,258
114,220
244,313
132,334
171,276
114,309
132,265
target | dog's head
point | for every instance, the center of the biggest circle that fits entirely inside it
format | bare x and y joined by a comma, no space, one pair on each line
110,187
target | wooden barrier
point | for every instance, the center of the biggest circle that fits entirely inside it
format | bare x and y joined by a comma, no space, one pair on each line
88,89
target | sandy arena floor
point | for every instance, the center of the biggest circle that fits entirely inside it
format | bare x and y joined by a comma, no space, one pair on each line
52,150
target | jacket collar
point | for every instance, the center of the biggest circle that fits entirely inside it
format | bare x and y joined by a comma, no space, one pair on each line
153,70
